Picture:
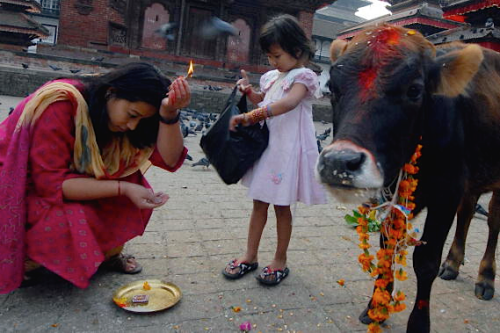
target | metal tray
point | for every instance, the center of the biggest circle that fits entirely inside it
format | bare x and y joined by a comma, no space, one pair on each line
162,295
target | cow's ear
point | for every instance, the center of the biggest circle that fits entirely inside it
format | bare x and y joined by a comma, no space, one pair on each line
457,68
337,47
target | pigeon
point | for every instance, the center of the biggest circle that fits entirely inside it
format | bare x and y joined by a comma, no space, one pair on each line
192,124
203,162
11,109
189,157
480,210
198,127
215,27
25,66
166,30
99,59
55,67
322,137
320,148
74,71
184,130
489,23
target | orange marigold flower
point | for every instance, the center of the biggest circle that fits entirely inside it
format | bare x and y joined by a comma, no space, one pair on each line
381,283
363,210
378,315
359,229
400,260
374,328
381,296
341,282
401,275
363,237
400,296
399,307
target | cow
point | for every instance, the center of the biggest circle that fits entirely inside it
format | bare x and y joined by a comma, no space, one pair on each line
392,90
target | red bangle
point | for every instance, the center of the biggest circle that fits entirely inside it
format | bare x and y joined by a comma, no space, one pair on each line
119,189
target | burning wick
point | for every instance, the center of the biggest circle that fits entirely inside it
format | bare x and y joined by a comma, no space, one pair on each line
190,69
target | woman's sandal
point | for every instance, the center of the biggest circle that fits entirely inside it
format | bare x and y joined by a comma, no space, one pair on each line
244,268
277,275
123,263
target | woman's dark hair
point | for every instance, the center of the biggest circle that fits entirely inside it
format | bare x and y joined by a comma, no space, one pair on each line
285,31
134,82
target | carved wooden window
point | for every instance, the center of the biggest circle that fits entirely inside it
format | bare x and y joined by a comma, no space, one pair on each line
117,34
154,17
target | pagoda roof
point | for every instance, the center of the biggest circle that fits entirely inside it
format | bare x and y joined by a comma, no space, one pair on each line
466,34
468,6
420,15
17,22
29,5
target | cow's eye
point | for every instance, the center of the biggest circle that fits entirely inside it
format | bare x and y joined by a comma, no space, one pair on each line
414,92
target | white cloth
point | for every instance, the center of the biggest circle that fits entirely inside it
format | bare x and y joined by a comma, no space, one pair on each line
285,172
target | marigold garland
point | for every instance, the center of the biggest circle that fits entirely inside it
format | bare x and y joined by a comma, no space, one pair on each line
392,257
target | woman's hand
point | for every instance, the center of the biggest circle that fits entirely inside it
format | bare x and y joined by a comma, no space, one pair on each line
179,96
142,197
236,120
244,84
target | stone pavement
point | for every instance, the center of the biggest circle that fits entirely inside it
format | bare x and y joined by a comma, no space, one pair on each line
202,227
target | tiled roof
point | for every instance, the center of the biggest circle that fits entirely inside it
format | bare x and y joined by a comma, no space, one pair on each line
31,5
21,23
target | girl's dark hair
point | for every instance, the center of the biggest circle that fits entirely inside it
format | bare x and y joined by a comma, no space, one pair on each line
134,82
285,31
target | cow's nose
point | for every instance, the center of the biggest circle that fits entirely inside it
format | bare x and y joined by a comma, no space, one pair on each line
340,166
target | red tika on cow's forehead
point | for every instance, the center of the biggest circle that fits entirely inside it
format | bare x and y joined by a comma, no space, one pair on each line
382,47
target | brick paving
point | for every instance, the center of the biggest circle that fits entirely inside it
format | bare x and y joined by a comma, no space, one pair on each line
203,226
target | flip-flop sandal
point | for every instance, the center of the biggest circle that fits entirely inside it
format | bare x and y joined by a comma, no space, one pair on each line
277,274
120,262
244,267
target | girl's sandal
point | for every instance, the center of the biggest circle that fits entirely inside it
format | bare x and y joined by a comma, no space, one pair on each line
244,268
272,277
123,263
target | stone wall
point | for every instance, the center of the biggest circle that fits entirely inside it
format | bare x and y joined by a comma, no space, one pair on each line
19,82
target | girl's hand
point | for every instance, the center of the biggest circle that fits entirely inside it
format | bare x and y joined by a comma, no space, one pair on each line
244,84
235,120
179,96
142,197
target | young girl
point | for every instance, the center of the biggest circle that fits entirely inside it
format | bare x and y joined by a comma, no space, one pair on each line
70,157
285,172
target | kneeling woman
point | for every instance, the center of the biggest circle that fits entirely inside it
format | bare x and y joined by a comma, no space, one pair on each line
72,192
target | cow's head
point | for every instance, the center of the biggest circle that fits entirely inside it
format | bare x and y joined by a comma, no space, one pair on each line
382,82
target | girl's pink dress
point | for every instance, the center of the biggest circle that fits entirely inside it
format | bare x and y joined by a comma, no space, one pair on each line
67,237
285,172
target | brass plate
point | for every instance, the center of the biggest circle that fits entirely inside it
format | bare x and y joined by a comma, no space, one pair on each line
162,295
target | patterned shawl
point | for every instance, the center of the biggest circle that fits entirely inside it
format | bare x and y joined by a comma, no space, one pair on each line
118,159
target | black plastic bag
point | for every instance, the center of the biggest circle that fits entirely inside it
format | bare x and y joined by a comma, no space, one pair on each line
233,153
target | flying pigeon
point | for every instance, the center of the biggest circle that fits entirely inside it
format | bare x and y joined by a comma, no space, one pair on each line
25,66
74,71
189,157
166,30
215,27
481,210
97,59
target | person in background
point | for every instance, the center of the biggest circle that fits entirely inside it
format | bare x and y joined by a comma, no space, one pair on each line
70,158
285,172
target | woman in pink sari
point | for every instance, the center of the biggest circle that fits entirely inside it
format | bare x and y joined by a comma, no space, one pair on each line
71,189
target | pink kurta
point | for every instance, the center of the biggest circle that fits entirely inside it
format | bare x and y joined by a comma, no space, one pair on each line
70,237
285,172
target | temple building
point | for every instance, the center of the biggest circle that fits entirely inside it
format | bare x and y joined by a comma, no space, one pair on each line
129,28
330,20
17,30
480,16
423,16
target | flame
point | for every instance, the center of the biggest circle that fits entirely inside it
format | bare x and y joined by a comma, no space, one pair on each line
190,69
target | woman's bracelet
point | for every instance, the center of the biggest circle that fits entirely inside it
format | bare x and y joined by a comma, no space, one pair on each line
170,121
